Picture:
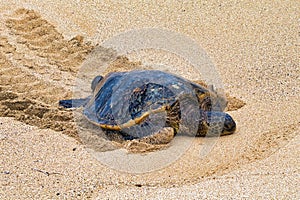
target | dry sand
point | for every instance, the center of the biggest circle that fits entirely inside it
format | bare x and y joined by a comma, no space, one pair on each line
255,47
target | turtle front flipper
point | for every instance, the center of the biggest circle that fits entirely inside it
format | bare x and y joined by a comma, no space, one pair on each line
74,103
157,141
131,122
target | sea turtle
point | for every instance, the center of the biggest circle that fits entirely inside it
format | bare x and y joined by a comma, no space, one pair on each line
140,103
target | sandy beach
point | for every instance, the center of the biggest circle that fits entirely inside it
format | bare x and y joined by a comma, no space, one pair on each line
46,48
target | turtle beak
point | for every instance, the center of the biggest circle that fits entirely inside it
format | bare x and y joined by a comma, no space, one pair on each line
229,125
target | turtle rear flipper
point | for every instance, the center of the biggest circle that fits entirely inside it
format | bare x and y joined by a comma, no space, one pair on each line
95,82
74,103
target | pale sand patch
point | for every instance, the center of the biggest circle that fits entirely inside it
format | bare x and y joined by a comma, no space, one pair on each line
46,164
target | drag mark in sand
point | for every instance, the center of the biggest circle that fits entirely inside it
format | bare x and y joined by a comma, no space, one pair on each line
38,67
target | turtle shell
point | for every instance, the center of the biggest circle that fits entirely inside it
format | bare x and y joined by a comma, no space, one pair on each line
123,96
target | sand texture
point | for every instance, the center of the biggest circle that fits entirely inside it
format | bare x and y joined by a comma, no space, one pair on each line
43,46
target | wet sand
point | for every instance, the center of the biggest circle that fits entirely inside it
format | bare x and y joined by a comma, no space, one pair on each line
254,47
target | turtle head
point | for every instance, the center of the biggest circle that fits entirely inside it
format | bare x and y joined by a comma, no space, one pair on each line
217,123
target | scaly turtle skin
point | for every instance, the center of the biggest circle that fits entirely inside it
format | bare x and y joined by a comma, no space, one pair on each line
140,103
